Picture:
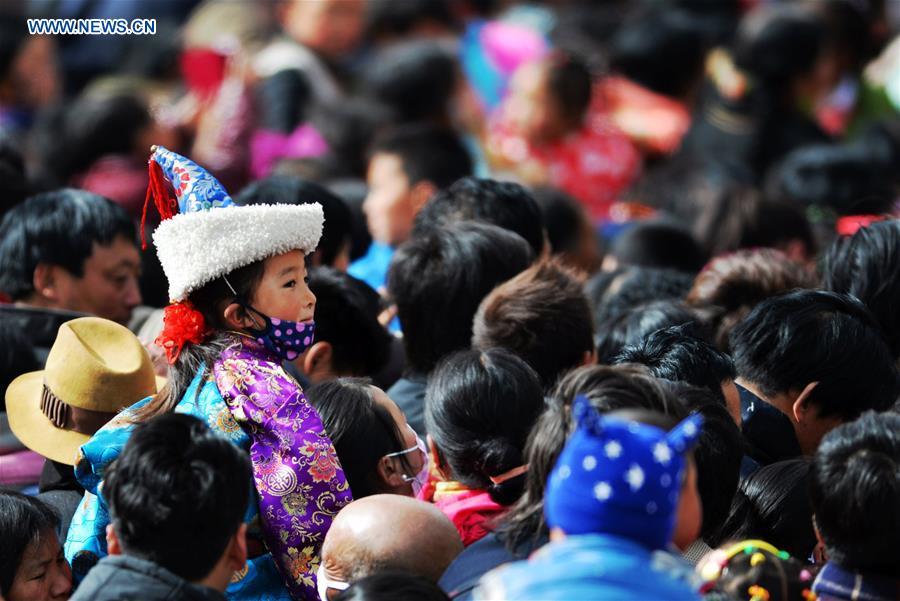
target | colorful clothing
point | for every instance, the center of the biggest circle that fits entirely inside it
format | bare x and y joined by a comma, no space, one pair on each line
299,481
594,164
834,583
593,566
473,512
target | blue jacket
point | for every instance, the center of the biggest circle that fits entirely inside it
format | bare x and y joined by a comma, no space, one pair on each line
593,566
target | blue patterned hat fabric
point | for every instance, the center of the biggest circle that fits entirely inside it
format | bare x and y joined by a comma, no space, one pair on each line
619,477
195,188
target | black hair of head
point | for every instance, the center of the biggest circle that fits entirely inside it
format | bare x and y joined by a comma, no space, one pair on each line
17,357
569,82
660,245
771,504
807,336
347,318
283,100
779,43
177,494
14,185
348,127
361,430
289,189
438,279
416,79
855,492
718,454
608,388
428,153
613,293
562,216
480,407
672,353
388,19
504,204
632,326
784,579
661,50
393,585
57,228
23,521
867,265
353,192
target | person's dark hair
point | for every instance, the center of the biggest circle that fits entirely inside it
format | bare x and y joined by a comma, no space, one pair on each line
660,50
718,454
177,494
855,491
17,357
569,83
58,228
633,325
390,20
778,44
479,408
353,192
393,585
674,354
415,79
287,189
210,300
505,204
614,293
283,100
658,244
348,127
807,336
23,521
427,152
867,265
542,315
563,217
771,505
438,279
608,388
347,318
96,125
361,430
13,181
855,177
731,285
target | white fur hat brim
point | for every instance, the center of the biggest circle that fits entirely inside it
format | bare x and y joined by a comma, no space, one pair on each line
196,248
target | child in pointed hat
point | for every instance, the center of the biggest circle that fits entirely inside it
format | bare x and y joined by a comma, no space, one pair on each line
240,306
612,502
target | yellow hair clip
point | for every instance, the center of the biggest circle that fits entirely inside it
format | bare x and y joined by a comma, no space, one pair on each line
757,558
758,593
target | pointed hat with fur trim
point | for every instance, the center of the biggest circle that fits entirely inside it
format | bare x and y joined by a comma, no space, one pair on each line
204,235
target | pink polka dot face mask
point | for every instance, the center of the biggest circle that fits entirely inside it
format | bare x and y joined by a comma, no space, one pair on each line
287,339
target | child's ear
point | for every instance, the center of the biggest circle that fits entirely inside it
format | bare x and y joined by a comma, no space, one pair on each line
238,318
387,471
112,541
43,280
421,193
801,406
436,460
317,360
236,551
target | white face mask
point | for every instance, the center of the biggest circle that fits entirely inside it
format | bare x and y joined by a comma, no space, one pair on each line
421,478
323,584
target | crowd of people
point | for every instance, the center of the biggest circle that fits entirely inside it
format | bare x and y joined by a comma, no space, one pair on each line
345,300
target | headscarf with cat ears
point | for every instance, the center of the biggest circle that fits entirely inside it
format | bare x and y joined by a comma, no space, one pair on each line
619,477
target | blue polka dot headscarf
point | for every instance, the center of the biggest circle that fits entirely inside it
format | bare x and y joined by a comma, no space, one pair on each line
619,477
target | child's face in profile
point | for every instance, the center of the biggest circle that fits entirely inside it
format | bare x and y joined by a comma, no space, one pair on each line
530,109
689,516
283,292
388,206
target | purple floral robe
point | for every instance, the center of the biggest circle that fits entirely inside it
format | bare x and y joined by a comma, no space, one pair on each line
298,477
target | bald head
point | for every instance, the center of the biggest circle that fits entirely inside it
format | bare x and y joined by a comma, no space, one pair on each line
389,532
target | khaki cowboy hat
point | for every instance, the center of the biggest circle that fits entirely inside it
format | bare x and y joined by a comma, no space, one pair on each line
95,369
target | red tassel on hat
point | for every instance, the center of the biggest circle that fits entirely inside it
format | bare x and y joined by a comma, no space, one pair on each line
162,195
